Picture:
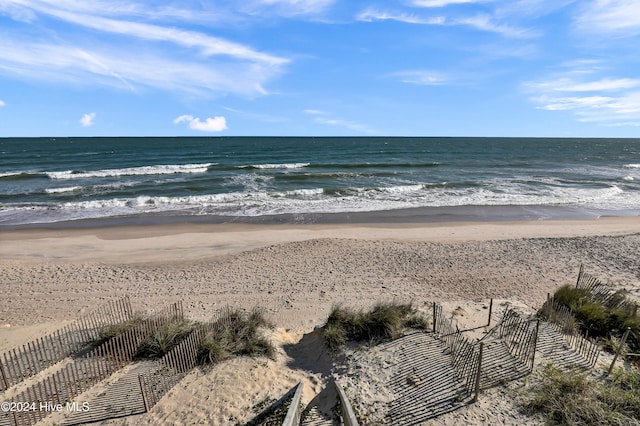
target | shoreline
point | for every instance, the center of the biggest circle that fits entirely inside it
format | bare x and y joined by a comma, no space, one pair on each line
125,244
413,215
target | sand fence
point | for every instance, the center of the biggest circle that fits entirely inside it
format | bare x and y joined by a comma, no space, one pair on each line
21,363
57,390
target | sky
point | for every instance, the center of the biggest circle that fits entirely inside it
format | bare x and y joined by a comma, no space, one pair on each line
540,68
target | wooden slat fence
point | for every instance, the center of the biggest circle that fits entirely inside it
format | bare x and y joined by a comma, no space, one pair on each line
464,354
177,363
508,350
597,291
78,376
171,368
519,334
562,320
21,363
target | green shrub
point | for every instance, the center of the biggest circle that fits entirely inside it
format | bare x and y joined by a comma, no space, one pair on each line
602,318
571,296
594,318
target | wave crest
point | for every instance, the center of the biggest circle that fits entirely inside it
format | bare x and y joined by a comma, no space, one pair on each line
164,169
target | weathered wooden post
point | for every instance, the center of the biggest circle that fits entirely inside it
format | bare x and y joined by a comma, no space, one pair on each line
622,342
434,317
579,275
490,311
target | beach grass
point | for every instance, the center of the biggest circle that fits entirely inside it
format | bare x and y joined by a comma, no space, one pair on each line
236,333
383,321
580,399
599,319
165,338
108,332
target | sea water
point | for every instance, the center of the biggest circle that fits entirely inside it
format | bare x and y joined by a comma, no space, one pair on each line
308,179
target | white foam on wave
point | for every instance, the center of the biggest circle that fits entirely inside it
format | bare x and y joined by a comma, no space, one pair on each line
252,182
317,200
133,171
632,166
277,166
304,192
399,189
63,190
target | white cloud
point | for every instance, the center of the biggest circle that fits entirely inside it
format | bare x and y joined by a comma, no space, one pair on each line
129,70
603,100
2,103
323,117
293,7
360,128
605,84
531,8
439,3
212,124
208,45
423,78
371,15
481,22
619,17
487,23
162,57
87,120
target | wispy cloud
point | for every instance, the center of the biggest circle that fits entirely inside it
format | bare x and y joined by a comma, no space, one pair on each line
162,57
323,117
615,17
290,7
530,8
591,98
130,70
484,22
421,77
371,15
604,84
259,116
440,3
212,124
481,22
88,120
2,103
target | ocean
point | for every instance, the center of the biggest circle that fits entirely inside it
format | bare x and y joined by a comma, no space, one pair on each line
120,180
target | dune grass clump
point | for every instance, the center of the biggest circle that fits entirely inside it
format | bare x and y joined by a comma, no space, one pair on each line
383,321
236,333
578,399
599,319
165,338
108,332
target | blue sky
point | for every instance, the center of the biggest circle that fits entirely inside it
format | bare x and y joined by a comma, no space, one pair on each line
320,67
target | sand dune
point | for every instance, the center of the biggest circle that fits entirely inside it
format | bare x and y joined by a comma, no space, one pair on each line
49,277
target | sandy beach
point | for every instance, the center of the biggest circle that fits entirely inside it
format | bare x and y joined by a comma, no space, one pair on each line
296,273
